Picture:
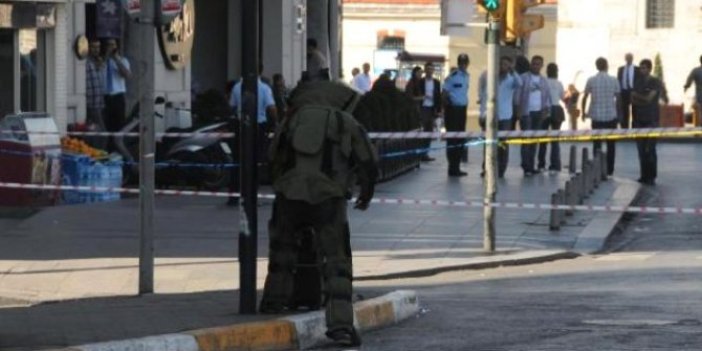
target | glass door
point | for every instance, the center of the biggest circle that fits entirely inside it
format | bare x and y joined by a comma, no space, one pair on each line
32,56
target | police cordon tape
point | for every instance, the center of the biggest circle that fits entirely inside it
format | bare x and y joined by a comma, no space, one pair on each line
383,201
515,137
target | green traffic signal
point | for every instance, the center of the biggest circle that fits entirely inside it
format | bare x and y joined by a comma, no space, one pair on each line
491,5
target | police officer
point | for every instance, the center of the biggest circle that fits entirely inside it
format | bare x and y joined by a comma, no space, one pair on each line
456,102
316,155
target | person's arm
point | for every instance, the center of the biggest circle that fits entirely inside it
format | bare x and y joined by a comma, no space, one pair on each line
586,95
546,90
271,112
642,98
690,79
122,66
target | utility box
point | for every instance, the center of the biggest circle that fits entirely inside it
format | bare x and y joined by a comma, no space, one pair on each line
30,153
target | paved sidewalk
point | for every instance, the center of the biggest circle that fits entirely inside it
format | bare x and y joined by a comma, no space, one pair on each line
76,252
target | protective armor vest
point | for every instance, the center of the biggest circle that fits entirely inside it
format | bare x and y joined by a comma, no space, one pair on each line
312,155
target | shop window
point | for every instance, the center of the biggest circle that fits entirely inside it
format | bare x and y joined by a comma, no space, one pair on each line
391,40
660,13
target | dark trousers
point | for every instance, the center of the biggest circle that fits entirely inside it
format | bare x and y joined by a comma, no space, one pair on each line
554,122
611,147
333,247
95,117
648,158
626,109
455,121
428,118
502,150
262,144
115,116
528,151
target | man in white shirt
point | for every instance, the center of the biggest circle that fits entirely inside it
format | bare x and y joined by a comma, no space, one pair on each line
362,81
117,71
626,75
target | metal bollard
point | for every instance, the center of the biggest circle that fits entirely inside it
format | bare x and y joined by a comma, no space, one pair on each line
586,180
554,221
591,179
572,165
597,170
585,158
605,170
569,196
561,201
579,188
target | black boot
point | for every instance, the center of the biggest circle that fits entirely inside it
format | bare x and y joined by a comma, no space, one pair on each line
345,336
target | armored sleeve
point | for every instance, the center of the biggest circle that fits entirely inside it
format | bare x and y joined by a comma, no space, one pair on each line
364,155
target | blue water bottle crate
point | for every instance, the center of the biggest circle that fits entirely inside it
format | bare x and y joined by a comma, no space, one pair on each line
81,170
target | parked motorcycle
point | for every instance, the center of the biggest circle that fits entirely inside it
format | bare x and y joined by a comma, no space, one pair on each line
201,160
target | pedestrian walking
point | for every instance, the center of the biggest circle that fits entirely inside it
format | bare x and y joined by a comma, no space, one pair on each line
535,107
572,95
695,76
117,71
645,100
508,84
605,109
627,76
553,121
95,91
431,104
455,96
315,155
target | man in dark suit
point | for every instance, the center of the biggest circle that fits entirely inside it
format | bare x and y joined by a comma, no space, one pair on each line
431,105
627,75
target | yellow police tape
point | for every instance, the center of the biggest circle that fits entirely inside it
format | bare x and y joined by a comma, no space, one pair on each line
642,135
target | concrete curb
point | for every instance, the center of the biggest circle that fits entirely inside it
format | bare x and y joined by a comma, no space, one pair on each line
288,333
483,262
593,238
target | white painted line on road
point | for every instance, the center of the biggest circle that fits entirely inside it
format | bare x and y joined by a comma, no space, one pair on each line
629,322
619,257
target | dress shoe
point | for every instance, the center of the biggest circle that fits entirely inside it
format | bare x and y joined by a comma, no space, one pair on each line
457,174
233,201
345,336
427,159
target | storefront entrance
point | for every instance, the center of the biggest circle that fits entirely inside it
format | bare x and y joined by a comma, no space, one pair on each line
23,64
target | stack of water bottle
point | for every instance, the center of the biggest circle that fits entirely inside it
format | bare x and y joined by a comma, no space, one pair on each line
83,170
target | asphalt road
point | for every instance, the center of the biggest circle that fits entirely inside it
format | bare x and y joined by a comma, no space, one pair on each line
643,294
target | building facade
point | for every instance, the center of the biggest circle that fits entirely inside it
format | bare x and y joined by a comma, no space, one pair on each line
645,28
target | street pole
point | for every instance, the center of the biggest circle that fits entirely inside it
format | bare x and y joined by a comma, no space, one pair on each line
145,68
490,137
248,216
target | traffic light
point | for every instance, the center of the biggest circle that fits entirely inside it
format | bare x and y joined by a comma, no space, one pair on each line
494,8
517,23
490,5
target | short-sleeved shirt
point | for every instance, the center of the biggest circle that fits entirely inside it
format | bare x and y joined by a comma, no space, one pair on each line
647,114
557,92
456,86
119,84
506,89
362,82
265,100
604,89
696,76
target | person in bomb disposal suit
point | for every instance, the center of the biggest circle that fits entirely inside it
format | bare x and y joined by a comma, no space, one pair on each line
316,155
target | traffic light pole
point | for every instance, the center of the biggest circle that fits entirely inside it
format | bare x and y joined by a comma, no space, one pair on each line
248,215
490,136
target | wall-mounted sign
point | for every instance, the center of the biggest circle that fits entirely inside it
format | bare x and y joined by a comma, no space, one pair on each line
80,47
109,19
133,7
176,37
170,9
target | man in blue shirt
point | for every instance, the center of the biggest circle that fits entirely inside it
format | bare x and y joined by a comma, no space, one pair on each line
508,84
266,116
456,101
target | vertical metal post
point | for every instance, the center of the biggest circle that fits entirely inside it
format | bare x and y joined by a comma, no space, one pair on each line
490,137
147,147
248,216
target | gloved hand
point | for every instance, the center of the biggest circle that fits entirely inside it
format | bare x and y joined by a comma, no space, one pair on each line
365,197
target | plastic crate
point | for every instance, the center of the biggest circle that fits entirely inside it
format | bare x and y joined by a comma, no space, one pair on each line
81,170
